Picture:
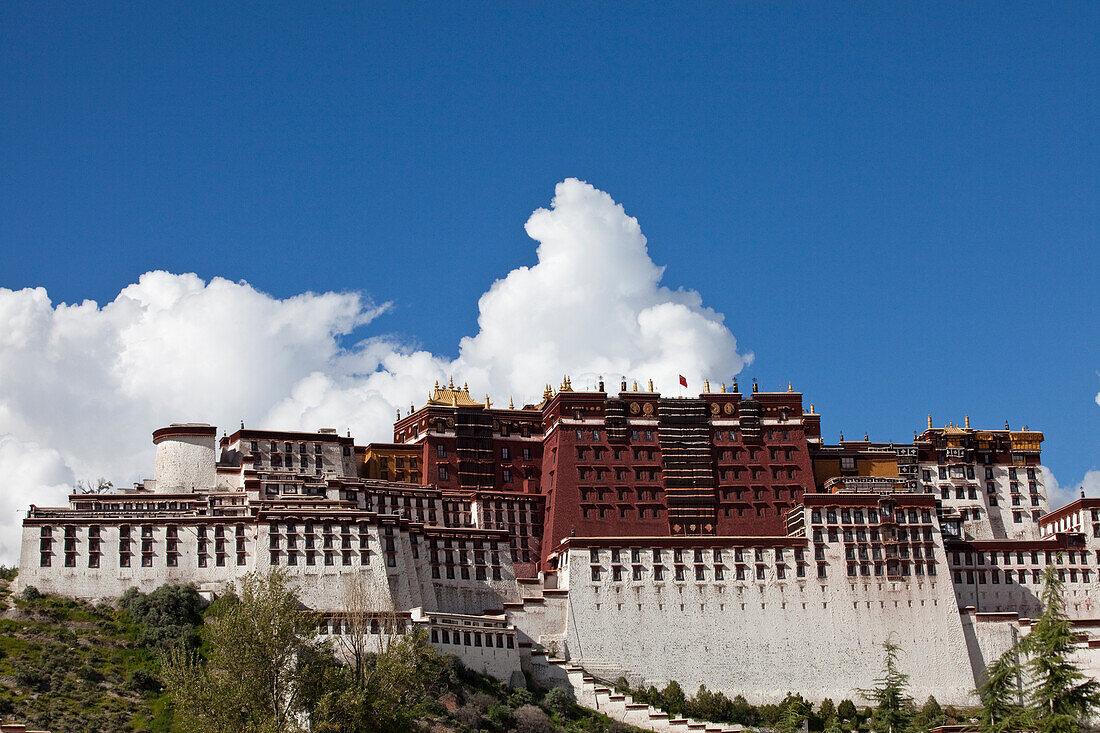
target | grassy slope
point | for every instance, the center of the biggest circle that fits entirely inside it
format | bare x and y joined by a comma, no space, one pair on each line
69,666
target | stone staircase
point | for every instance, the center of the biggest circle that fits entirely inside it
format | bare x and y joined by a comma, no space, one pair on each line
592,693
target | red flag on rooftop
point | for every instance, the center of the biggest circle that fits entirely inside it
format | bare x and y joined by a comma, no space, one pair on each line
683,381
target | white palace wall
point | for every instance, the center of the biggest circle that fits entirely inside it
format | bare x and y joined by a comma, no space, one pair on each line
763,639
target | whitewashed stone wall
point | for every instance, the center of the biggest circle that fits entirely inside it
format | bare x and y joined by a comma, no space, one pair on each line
763,639
185,463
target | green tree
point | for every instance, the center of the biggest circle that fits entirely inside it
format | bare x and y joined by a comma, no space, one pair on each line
999,692
384,696
170,614
254,671
893,707
826,710
929,716
847,710
1061,695
795,710
743,712
673,698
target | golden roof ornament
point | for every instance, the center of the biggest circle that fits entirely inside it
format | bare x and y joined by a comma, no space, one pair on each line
650,385
723,387
636,386
930,421
968,422
811,408
735,385
488,404
706,386
790,387
755,386
511,405
451,383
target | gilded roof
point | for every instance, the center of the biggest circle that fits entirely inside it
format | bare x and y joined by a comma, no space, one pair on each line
451,396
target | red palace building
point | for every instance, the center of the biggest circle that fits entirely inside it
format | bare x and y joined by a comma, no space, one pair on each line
594,464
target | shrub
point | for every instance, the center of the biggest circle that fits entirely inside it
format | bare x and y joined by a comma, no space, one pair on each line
30,593
170,614
530,719
558,700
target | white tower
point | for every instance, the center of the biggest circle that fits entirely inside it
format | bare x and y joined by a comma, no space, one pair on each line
186,458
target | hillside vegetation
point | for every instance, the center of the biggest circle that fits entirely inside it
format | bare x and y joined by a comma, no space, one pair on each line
71,667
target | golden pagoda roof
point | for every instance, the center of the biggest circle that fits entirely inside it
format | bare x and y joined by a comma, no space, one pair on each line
451,396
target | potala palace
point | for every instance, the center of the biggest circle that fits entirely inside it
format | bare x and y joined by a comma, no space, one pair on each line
713,540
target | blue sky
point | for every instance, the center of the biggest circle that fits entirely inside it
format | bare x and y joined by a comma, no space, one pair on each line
894,205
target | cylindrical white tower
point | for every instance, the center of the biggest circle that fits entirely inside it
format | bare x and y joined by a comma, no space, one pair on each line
186,458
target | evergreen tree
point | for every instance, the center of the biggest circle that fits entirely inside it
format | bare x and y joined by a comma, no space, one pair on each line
1001,710
744,713
893,707
1062,697
673,698
929,716
795,711
826,710
847,710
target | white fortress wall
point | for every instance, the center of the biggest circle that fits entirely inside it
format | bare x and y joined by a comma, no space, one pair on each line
763,639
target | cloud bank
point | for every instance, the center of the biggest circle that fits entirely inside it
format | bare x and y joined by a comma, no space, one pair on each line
82,386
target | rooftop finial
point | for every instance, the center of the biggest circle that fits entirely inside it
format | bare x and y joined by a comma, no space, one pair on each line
755,386
1006,425
488,404
790,387
842,437
930,421
242,424
706,386
451,382
635,385
465,387
867,437
723,387
623,384
735,385
650,385
511,405
437,384
811,408
601,383
968,422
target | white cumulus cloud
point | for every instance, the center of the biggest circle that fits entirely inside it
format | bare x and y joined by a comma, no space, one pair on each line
82,386
1061,495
